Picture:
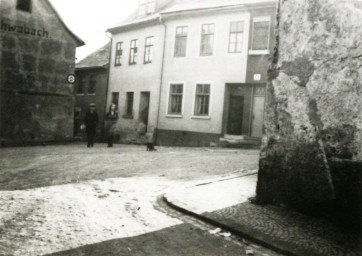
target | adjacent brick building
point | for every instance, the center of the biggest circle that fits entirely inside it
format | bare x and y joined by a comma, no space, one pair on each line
37,53
91,87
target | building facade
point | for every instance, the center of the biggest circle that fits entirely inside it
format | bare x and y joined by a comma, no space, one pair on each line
209,71
91,87
37,53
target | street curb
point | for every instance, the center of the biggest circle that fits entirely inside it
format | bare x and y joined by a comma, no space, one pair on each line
226,178
230,229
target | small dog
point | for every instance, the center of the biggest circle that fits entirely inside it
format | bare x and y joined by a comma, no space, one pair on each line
150,147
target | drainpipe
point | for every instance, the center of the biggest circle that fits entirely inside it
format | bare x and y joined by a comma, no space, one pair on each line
161,77
107,89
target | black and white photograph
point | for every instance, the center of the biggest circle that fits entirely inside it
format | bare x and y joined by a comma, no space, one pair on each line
181,127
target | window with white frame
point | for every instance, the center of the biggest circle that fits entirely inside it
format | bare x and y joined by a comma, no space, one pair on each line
175,99
261,28
119,53
202,100
207,39
148,49
133,52
181,41
146,7
236,36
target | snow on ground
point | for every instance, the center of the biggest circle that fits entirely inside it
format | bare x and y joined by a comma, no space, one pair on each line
57,218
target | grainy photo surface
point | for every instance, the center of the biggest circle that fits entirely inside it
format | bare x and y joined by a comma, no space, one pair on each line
180,127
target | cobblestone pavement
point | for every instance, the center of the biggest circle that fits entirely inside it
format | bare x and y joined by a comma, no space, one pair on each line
30,167
277,227
78,201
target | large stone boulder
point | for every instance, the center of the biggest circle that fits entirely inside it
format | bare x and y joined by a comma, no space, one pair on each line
314,106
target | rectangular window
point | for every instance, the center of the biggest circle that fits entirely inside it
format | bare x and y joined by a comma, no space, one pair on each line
202,100
129,102
180,41
149,49
146,7
133,52
115,98
207,39
175,100
92,85
24,5
80,85
261,34
119,53
236,37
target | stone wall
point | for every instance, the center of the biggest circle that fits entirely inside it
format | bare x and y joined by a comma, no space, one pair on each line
314,102
37,53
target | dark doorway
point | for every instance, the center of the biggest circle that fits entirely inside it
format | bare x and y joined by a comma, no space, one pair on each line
144,107
235,117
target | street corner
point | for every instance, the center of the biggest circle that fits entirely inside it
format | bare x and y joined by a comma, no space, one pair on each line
213,194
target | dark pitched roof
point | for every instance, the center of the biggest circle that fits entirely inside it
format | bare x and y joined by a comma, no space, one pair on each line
97,59
77,39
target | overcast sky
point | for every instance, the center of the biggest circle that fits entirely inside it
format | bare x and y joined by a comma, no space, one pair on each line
89,19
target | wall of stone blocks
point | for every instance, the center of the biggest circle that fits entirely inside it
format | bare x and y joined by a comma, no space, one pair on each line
314,105
37,53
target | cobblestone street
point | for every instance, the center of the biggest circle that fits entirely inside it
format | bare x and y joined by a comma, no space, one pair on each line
59,198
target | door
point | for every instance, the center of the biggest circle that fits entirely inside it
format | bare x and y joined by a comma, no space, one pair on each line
235,117
258,116
144,107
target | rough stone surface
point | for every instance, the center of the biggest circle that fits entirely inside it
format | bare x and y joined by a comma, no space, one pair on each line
36,55
314,106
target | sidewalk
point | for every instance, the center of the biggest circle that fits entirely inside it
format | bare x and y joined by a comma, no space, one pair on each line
224,203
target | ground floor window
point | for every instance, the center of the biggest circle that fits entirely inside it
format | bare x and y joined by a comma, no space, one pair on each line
175,99
115,98
202,100
129,106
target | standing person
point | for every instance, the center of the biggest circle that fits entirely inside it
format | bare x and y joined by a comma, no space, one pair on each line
90,121
111,118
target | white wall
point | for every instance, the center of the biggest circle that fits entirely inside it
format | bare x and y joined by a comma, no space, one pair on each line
138,77
220,68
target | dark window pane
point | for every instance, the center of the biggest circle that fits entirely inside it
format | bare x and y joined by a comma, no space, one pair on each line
115,98
24,5
129,110
92,86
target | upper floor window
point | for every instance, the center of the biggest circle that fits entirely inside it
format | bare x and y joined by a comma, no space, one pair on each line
261,28
180,41
207,39
119,53
92,85
175,99
149,49
133,52
202,100
236,37
146,7
24,5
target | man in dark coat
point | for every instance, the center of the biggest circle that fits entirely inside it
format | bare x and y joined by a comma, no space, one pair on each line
90,121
